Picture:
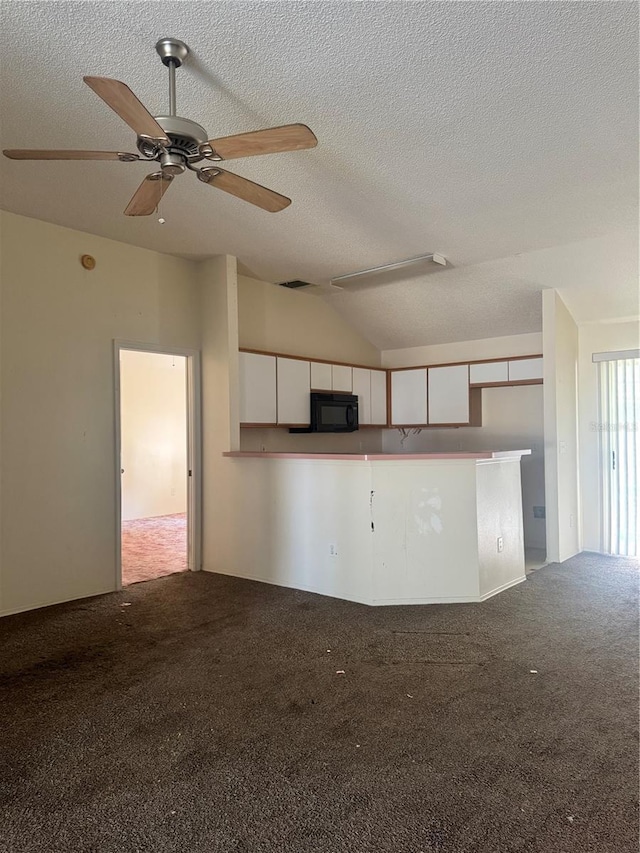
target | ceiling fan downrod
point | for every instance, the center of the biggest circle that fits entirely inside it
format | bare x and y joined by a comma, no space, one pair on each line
172,52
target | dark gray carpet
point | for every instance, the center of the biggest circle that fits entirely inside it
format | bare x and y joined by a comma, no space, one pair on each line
207,717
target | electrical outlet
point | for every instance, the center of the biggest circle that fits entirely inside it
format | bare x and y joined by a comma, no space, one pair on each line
500,544
333,549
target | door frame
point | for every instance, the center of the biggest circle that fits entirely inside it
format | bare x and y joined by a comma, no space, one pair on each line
194,447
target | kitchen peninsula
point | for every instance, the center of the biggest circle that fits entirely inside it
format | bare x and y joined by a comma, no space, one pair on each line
414,528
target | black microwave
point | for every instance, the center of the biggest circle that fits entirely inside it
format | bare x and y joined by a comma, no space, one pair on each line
332,413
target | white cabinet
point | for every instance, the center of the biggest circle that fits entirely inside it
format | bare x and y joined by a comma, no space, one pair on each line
341,379
257,388
378,396
449,394
362,389
409,397
321,376
525,368
274,389
370,386
488,372
294,385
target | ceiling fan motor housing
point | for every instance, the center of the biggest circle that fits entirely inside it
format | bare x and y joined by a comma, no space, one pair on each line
185,138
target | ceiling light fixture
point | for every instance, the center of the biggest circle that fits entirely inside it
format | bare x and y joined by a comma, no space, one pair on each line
432,257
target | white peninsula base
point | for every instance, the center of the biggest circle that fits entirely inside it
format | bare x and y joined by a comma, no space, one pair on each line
376,529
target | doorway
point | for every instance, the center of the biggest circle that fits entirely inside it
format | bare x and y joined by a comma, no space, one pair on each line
619,392
157,473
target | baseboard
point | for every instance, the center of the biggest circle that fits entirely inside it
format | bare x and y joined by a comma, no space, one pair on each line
502,588
380,602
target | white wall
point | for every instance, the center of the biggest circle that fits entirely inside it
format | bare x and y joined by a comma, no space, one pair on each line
560,349
59,321
279,319
153,407
512,418
279,517
499,508
600,337
403,532
220,408
509,345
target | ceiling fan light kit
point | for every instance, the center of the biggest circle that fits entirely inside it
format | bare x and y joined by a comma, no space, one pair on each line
178,143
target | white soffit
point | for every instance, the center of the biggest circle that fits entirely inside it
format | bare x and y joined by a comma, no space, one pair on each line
485,131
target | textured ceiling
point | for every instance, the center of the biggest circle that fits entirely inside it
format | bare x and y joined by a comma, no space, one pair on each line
488,132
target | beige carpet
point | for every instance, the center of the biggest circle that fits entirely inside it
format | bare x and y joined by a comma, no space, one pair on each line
153,547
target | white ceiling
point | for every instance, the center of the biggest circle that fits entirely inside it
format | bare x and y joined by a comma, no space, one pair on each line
501,135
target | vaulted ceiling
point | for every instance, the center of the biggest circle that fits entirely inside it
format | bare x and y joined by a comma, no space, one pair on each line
501,135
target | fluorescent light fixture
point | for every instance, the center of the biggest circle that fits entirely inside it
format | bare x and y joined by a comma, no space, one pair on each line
432,257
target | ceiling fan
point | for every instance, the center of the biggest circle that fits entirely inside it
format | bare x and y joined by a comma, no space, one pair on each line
178,143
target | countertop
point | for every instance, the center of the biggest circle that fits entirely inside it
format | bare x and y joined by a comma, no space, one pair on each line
382,457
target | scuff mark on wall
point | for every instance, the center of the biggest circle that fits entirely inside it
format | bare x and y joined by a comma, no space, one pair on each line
426,514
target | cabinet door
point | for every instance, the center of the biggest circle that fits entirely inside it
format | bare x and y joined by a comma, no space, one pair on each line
362,387
341,379
489,372
449,394
294,385
525,368
320,376
409,397
378,397
257,388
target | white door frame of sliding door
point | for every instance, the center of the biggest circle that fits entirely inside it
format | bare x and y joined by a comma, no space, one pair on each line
194,448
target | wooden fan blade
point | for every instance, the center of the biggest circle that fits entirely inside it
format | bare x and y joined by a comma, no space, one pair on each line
121,99
147,197
35,154
246,190
274,140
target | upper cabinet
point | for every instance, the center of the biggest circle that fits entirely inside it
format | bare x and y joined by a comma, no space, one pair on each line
409,397
488,372
362,389
341,378
448,394
378,397
370,386
525,370
257,388
321,376
274,390
294,387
